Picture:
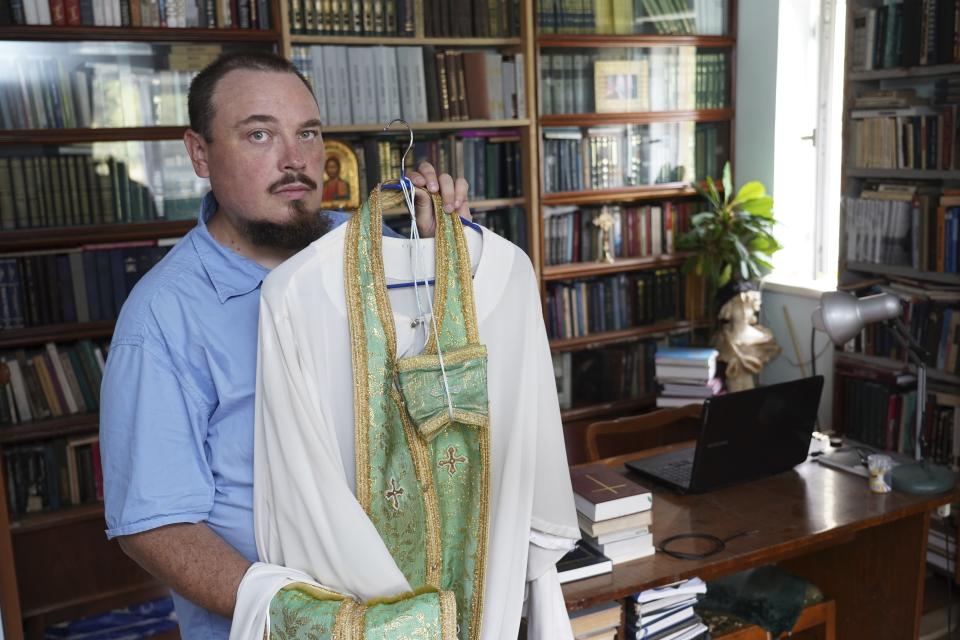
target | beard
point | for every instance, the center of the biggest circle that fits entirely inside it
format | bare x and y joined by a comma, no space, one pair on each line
296,234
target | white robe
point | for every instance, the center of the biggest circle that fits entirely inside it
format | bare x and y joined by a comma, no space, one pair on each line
306,516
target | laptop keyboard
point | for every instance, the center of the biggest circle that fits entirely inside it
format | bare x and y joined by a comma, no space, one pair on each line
677,472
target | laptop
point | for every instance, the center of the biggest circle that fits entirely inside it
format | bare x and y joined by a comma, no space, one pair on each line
743,436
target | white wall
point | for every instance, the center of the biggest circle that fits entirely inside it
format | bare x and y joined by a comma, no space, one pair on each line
755,100
800,304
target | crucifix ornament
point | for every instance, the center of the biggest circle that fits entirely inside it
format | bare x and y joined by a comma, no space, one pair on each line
393,494
451,461
605,222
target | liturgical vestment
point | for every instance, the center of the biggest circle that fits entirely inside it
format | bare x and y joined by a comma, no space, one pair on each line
310,525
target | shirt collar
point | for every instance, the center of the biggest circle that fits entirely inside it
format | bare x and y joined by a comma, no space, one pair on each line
230,273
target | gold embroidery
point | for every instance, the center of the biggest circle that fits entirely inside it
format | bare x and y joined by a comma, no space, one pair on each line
393,494
421,466
448,615
451,461
358,347
343,626
455,356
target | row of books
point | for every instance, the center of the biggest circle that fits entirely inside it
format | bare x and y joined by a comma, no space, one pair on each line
363,85
53,475
50,382
658,79
907,138
211,14
399,18
613,303
667,612
599,622
897,224
605,374
489,159
78,285
884,416
906,33
62,190
668,17
63,91
935,325
616,156
571,234
686,375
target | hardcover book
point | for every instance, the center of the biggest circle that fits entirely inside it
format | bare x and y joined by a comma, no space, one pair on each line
602,494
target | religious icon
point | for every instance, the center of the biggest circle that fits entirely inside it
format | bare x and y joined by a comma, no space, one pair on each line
341,179
605,222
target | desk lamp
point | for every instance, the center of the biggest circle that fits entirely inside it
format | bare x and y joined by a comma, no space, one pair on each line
841,316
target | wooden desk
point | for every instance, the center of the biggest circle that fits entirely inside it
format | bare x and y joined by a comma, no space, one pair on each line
866,551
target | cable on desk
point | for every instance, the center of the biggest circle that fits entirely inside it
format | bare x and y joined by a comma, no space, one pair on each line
719,544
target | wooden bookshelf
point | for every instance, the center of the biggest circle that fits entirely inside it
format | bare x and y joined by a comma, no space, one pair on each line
625,195
875,75
138,34
406,42
87,136
905,272
457,125
903,174
648,117
621,265
611,337
48,519
75,424
15,338
65,237
585,41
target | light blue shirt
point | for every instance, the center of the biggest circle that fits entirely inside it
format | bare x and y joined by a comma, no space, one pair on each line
177,401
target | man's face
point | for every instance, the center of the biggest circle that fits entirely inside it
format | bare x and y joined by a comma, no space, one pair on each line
266,158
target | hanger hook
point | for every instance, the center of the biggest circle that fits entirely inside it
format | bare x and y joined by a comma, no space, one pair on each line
403,160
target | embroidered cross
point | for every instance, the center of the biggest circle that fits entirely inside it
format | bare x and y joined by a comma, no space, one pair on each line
394,493
450,462
604,486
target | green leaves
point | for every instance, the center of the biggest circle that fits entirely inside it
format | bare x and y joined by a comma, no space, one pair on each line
733,240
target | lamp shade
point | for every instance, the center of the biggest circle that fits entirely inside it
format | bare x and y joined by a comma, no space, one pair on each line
841,315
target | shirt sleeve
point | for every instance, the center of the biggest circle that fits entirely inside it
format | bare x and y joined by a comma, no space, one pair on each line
152,433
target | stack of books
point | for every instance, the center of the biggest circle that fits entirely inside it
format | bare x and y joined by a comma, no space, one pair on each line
686,375
599,622
615,513
666,613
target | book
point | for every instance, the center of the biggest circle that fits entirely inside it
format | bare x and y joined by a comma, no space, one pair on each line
598,541
632,547
582,562
688,356
601,493
631,522
692,586
592,620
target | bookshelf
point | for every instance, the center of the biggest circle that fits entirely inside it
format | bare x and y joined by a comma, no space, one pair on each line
93,575
900,171
106,578
670,58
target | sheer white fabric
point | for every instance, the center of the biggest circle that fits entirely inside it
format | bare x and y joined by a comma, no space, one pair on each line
306,516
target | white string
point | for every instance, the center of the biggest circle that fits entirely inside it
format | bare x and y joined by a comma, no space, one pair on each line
416,260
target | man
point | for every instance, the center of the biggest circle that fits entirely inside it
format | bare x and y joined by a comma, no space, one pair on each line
177,409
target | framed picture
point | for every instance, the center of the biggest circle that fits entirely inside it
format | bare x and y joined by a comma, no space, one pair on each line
621,86
341,180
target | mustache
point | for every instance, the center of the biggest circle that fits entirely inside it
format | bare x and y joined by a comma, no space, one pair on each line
291,178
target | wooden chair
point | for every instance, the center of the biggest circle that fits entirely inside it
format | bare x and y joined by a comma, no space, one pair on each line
646,431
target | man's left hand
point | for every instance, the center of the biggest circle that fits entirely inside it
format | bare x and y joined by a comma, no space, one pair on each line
452,192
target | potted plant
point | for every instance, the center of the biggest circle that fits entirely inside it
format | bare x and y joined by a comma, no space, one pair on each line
732,244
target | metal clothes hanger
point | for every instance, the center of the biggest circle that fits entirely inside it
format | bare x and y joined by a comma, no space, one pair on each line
404,184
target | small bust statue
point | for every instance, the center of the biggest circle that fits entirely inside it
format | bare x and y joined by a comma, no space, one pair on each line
744,345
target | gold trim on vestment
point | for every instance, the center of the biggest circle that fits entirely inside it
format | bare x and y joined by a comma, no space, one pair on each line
317,593
455,356
422,467
439,276
343,627
358,347
448,615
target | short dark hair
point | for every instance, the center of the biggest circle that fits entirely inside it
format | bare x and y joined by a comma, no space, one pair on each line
333,159
200,97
